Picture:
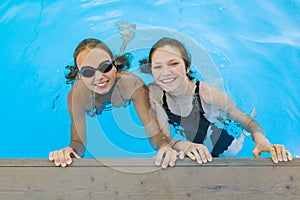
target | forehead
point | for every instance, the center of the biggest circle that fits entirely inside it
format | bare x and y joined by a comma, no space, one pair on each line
92,57
165,53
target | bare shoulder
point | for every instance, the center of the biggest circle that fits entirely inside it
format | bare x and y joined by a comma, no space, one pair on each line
212,95
80,96
209,92
128,83
79,89
155,93
129,79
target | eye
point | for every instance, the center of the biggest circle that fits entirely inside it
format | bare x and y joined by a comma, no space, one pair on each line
174,64
157,67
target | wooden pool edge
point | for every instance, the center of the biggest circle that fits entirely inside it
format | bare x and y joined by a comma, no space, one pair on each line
138,178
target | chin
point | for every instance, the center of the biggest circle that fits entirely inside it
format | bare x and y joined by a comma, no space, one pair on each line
166,88
102,90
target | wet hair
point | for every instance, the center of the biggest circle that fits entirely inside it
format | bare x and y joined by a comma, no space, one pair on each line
122,62
165,41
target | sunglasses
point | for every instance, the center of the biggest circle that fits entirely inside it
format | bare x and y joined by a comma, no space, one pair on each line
89,71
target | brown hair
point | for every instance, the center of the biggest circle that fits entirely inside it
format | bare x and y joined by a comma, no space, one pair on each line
122,62
176,44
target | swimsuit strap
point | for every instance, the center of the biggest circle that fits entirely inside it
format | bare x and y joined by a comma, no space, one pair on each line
197,87
198,95
119,92
94,111
126,102
165,104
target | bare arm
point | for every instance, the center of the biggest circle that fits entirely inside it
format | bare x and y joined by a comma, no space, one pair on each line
166,156
147,116
216,98
77,104
155,100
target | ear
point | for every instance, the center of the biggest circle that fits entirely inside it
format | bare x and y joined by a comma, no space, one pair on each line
78,75
188,69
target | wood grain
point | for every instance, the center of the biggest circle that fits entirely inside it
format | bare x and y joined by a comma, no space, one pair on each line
140,179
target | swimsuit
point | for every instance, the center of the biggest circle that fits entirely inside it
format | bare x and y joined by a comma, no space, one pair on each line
106,105
195,125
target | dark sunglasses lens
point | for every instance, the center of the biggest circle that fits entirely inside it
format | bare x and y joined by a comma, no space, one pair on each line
87,72
106,67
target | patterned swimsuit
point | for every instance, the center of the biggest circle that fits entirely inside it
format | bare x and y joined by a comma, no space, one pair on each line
106,105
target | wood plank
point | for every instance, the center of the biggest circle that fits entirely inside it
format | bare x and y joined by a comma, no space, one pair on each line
140,179
103,162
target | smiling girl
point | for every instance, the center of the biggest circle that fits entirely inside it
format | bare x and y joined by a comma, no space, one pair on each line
179,100
101,82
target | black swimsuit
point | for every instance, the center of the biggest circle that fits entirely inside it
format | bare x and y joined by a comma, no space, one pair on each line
196,125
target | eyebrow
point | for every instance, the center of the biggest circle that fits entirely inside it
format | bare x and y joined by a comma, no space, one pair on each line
98,64
172,60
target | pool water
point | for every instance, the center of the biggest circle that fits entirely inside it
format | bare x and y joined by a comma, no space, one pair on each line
254,47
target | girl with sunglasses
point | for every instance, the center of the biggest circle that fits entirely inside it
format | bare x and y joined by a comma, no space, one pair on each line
180,101
100,81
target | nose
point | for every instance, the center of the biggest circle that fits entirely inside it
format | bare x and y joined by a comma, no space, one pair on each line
167,70
98,75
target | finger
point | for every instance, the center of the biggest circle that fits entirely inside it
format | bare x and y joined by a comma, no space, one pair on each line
202,155
289,155
173,158
198,158
273,155
256,152
278,149
61,158
75,154
283,154
167,159
191,156
181,155
51,158
209,157
207,154
159,156
55,158
68,158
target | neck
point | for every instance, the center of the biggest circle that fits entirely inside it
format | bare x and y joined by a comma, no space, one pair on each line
106,95
186,89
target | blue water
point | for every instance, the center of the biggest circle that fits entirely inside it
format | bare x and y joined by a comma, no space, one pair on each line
254,44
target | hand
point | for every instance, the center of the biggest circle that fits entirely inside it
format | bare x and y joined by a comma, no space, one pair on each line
277,151
63,157
168,155
194,151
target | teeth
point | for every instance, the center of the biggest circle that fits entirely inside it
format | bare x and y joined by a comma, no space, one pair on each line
168,80
101,84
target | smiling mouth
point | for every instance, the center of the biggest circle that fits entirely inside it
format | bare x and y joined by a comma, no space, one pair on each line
102,84
168,80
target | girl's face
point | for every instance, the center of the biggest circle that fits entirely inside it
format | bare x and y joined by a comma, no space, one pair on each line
100,82
168,69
